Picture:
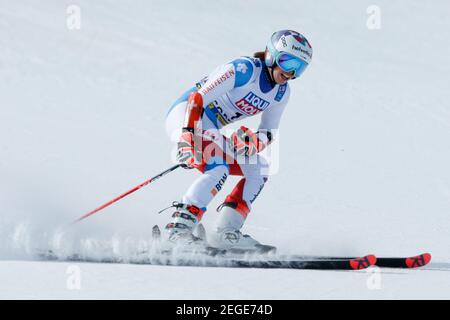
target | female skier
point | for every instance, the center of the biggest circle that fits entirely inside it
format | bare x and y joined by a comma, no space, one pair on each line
234,91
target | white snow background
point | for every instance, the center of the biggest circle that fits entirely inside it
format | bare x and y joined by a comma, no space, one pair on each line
364,143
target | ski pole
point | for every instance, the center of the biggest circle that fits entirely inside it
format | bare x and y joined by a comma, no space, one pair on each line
143,184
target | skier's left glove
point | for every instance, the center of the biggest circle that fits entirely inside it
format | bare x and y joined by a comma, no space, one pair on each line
245,142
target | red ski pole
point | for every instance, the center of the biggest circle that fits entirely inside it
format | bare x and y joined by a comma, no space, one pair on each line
143,184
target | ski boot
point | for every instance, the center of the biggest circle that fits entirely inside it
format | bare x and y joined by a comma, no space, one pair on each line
179,232
228,236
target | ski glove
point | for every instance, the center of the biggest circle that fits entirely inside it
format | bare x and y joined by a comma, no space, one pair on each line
188,153
245,142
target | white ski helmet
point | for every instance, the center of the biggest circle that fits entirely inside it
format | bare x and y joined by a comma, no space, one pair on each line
289,50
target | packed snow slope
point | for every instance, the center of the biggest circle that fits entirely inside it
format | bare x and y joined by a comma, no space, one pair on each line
362,163
54,280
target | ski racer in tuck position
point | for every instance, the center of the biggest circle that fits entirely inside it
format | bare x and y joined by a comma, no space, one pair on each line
241,88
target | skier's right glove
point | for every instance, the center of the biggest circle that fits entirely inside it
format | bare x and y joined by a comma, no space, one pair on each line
245,142
188,152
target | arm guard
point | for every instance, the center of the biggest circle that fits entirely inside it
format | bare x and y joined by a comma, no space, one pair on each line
194,110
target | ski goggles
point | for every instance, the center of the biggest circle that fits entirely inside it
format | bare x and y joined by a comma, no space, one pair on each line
289,63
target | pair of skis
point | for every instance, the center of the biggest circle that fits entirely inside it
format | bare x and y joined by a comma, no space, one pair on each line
309,262
304,262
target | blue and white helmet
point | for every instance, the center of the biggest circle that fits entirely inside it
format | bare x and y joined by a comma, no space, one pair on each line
289,50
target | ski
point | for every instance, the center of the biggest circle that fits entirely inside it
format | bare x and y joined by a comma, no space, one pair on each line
405,262
384,262
205,260
320,264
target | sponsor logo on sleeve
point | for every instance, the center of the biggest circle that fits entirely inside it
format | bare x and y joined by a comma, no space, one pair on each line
280,93
219,80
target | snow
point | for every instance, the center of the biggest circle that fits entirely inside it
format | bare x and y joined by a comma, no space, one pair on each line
108,281
363,162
